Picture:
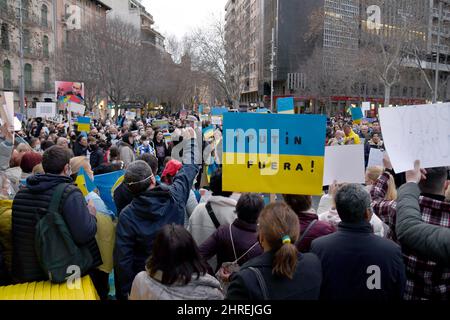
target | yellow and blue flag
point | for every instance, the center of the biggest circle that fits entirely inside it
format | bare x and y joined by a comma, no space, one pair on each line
208,132
84,182
84,124
357,115
272,153
106,183
285,105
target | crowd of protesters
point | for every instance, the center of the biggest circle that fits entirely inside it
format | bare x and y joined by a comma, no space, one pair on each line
178,235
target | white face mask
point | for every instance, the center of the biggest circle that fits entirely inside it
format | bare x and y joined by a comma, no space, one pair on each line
113,136
146,143
37,147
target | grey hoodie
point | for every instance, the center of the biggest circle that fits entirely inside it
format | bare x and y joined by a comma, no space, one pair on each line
147,288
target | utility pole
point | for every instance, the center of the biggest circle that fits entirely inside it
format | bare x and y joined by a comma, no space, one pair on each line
22,80
438,53
272,68
273,54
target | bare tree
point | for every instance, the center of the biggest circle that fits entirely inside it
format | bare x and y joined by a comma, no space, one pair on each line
384,49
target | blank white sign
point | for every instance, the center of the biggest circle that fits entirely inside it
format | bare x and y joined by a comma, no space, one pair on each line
345,164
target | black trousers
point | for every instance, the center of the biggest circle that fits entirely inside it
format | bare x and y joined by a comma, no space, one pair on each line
101,283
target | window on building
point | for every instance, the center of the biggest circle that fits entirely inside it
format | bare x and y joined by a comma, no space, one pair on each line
25,8
28,76
5,36
44,14
3,4
45,47
7,74
47,78
26,41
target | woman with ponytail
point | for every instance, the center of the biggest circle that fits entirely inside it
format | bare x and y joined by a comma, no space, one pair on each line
281,273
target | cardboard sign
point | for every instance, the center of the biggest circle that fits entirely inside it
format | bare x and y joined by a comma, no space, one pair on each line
216,120
7,105
345,164
419,132
273,153
162,124
130,115
45,109
76,108
375,158
285,105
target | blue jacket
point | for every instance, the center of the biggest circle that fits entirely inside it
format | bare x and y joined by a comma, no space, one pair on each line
348,257
141,220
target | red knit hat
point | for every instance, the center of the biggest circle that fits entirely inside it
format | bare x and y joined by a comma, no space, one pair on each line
172,167
29,160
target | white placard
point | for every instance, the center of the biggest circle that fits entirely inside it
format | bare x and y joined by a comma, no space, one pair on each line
217,120
375,158
365,107
8,106
17,124
419,132
345,164
130,115
76,108
45,109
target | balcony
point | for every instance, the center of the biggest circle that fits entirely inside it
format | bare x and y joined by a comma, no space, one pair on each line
38,86
36,54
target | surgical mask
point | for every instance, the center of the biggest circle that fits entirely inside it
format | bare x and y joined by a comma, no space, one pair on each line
113,136
146,143
37,147
108,123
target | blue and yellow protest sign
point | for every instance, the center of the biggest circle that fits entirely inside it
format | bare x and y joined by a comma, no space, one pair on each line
285,105
84,124
208,132
84,182
219,111
273,153
357,115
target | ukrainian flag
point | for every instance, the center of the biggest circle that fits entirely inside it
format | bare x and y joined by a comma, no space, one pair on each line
272,153
285,105
84,182
357,115
208,132
84,124
106,184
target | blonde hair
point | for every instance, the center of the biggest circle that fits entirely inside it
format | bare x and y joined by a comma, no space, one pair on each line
38,169
391,193
77,162
373,173
23,147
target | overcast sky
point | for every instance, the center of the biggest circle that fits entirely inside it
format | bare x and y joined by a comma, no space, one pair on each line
177,17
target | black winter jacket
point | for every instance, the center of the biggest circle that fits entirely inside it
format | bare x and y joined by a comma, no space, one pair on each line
28,204
305,284
358,265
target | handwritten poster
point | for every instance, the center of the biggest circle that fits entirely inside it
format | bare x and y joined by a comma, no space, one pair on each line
419,132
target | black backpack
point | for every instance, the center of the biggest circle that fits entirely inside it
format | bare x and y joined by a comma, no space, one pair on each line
55,248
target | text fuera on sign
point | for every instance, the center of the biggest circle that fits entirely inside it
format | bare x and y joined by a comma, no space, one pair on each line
273,153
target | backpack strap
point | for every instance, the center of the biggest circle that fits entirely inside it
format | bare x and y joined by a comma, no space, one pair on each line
306,231
212,215
57,197
262,282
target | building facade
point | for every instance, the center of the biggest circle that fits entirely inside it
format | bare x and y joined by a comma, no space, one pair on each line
134,13
337,28
46,25
38,49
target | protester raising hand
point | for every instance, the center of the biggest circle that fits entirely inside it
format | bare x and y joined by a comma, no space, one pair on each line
7,132
417,174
